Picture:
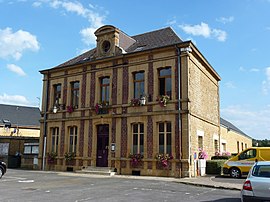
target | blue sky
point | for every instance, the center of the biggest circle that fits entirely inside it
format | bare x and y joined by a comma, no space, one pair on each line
232,35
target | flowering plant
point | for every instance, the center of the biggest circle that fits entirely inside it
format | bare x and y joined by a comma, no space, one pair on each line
69,156
100,106
51,157
70,109
163,159
225,153
202,154
135,159
135,102
163,100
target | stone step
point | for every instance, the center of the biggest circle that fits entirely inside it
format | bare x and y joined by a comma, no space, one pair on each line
97,171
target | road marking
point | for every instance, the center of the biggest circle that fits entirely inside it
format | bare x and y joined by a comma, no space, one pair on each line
26,181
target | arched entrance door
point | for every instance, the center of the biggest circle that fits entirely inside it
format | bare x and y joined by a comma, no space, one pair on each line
102,145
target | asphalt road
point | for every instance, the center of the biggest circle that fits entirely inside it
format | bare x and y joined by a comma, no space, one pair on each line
28,186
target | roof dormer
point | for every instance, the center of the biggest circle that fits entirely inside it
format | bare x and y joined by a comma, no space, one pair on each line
111,41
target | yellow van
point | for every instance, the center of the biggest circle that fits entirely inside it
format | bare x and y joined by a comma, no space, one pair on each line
241,163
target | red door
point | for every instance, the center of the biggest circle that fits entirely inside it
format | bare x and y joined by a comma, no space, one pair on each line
102,145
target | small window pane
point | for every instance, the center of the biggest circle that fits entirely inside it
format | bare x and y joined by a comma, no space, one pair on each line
135,128
161,127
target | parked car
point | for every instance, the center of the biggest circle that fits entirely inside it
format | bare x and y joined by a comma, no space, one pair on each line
3,168
257,185
241,163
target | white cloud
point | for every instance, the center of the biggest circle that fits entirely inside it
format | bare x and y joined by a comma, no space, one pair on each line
230,85
88,36
219,34
13,99
13,44
243,69
225,20
266,83
254,123
16,69
94,18
204,30
37,4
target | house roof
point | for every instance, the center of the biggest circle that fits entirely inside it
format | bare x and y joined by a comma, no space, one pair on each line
19,115
155,39
230,126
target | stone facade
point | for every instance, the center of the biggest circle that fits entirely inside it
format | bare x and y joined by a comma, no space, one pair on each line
192,124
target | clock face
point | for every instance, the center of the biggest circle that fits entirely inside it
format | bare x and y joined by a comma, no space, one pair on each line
106,45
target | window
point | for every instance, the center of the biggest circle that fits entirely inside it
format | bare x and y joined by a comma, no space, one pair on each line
104,89
73,139
238,147
106,45
31,148
138,84
138,138
248,154
56,93
245,145
216,145
55,138
223,147
242,144
75,88
165,138
165,83
200,142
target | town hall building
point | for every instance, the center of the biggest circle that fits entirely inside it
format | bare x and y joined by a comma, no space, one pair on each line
144,104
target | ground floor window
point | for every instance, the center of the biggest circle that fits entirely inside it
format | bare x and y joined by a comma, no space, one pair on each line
138,138
54,140
31,148
165,137
73,131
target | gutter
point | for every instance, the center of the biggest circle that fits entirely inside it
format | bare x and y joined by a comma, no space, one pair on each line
179,106
45,124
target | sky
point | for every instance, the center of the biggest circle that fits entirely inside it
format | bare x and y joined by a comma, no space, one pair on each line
234,36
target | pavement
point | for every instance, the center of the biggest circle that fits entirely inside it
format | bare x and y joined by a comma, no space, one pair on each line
203,181
209,181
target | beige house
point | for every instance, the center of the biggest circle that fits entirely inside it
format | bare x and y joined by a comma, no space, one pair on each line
19,135
232,139
131,104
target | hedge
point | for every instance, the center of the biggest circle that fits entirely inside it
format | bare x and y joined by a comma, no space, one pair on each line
214,166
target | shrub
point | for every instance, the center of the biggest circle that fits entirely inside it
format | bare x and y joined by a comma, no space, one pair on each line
214,166
220,157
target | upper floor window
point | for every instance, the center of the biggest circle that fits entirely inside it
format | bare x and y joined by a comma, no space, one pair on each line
56,93
105,89
165,137
138,84
55,137
75,89
138,138
73,131
165,81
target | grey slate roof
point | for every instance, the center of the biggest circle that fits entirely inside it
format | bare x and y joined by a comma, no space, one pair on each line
21,115
230,126
155,39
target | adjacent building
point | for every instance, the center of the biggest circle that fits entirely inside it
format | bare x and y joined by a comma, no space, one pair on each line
232,139
19,135
141,104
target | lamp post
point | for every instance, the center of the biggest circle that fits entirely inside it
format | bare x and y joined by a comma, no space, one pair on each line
17,130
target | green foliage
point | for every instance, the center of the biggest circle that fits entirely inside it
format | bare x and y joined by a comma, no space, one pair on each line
260,143
214,166
220,157
69,156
